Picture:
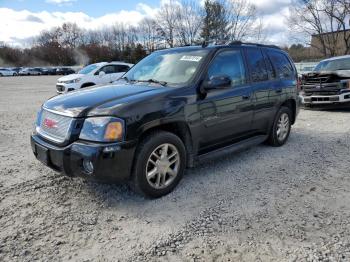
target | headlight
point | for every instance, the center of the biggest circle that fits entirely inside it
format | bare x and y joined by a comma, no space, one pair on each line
103,129
345,83
73,81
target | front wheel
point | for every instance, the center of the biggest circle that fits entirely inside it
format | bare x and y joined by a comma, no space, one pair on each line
281,127
159,164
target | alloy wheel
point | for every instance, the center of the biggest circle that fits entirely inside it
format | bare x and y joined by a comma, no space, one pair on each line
283,126
163,166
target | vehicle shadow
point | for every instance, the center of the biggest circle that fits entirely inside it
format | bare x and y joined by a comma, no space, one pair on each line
212,179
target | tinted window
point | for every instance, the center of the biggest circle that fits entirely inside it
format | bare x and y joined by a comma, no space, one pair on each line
121,68
229,63
281,64
110,69
270,70
256,63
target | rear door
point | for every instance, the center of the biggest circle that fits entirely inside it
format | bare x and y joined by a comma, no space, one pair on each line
265,91
227,113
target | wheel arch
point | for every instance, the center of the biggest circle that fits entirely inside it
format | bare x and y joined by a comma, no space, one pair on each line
180,129
291,104
87,84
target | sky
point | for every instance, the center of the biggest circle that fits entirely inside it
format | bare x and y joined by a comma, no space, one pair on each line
23,19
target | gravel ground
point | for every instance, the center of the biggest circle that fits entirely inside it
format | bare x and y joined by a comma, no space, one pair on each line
264,204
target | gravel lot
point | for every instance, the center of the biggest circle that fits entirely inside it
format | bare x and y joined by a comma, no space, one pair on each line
264,204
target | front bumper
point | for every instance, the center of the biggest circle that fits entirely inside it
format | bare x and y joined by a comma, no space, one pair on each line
325,99
111,162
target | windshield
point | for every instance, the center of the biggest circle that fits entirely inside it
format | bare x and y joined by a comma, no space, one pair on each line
333,65
169,67
87,69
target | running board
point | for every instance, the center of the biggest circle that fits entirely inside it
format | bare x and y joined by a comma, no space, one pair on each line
234,148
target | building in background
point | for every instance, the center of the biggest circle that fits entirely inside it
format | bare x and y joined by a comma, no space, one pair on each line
332,43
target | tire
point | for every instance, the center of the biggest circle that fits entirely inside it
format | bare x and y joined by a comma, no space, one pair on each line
280,130
1,75
163,174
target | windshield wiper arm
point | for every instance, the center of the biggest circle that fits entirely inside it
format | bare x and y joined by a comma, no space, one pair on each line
126,79
163,83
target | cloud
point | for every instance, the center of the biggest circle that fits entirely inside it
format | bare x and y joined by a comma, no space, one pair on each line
268,7
17,26
60,2
33,18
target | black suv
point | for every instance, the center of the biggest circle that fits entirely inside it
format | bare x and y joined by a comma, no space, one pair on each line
64,71
173,109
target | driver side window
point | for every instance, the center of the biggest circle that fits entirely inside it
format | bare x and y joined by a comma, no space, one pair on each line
229,63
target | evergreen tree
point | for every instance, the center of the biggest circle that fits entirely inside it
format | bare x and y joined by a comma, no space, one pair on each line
215,21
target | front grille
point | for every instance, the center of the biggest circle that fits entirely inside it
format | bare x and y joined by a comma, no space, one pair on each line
318,80
54,127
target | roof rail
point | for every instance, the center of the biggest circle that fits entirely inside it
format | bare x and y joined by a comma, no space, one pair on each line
236,42
214,42
254,44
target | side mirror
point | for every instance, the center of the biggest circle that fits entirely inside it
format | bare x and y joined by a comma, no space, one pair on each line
217,82
101,73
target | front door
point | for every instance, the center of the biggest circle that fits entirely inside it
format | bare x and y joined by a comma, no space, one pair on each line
227,113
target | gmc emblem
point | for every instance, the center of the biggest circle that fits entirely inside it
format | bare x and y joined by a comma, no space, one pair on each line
49,123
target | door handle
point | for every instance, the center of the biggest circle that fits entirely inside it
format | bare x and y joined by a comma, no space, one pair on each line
246,97
278,91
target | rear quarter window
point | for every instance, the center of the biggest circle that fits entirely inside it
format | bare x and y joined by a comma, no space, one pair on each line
281,64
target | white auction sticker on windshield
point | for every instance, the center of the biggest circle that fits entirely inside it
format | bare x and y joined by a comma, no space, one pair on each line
191,58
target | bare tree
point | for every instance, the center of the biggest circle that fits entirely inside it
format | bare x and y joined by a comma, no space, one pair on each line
148,34
323,19
166,21
189,22
242,19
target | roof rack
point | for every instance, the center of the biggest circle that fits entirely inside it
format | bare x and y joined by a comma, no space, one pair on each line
253,44
231,43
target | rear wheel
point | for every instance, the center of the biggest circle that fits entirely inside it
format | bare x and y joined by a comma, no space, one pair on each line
281,127
160,163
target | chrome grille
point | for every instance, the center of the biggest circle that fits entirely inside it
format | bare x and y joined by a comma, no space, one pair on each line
53,126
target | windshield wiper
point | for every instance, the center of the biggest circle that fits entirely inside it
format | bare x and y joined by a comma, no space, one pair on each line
163,83
126,79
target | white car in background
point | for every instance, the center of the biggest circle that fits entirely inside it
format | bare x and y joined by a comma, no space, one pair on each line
95,74
7,72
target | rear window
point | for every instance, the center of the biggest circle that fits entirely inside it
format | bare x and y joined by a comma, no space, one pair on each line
256,63
283,67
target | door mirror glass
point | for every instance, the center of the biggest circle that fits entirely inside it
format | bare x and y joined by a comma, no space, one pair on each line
217,82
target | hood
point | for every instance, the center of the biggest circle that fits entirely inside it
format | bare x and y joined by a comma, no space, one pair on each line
337,73
79,103
70,77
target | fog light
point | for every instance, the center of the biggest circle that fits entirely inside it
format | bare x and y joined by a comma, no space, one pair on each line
88,166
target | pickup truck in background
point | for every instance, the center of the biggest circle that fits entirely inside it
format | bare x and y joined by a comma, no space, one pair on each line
328,84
